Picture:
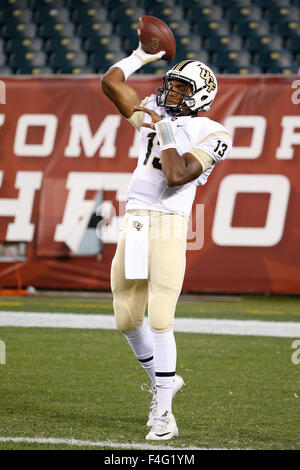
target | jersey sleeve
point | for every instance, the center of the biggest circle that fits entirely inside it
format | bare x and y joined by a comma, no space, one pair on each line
213,148
138,117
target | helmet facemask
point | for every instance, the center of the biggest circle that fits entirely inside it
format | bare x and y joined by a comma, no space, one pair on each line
183,105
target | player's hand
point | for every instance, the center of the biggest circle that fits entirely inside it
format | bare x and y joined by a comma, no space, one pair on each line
146,58
154,116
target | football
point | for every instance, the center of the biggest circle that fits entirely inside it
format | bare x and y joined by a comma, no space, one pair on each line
155,36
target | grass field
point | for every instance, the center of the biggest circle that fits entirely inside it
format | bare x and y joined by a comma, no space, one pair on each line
255,307
241,392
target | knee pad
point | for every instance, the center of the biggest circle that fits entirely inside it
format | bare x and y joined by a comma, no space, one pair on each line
161,310
128,316
123,318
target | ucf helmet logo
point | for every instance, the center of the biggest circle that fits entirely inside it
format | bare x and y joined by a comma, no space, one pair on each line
209,80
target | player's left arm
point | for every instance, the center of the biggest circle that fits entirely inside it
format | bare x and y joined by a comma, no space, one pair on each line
180,169
214,148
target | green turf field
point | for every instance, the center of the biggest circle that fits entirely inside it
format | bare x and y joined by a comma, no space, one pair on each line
256,307
241,392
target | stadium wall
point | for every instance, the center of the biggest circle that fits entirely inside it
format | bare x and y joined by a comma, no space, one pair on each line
66,161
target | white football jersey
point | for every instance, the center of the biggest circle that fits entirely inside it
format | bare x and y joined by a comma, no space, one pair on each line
148,188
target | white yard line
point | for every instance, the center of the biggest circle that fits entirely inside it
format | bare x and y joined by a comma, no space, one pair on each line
80,443
186,325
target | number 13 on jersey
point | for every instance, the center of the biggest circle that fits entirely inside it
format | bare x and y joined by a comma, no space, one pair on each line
156,160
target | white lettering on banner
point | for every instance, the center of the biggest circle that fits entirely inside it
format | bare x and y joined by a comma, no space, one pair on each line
134,149
82,139
225,235
79,210
258,124
21,208
81,133
108,228
288,137
49,122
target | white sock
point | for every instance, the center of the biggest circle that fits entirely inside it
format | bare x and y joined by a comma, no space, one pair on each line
165,355
141,343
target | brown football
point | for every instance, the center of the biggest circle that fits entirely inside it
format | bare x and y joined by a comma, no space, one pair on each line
155,36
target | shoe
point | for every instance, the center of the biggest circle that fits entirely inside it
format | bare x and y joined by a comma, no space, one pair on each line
153,404
164,428
178,384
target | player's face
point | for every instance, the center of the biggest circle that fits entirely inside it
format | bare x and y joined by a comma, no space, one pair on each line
177,89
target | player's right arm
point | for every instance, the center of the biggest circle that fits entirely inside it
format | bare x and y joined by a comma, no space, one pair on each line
113,82
121,94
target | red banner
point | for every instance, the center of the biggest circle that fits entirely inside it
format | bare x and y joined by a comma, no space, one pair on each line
67,157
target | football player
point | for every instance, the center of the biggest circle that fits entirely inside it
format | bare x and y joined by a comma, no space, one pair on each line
178,150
